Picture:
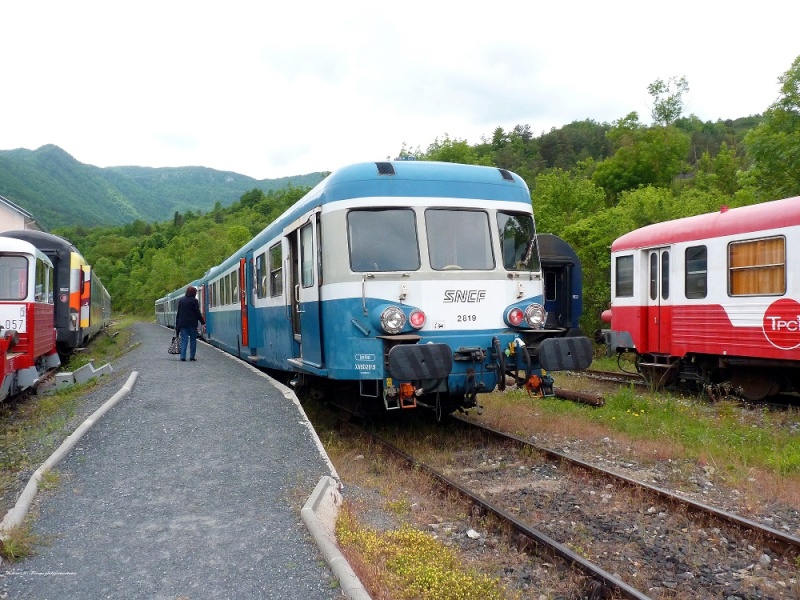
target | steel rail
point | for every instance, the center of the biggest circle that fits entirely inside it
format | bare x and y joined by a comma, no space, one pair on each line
783,540
594,571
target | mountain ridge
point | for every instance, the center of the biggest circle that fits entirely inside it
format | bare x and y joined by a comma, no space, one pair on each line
60,191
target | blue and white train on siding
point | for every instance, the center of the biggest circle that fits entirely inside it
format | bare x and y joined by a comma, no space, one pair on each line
413,283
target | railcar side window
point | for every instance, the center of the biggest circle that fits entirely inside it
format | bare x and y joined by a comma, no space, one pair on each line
50,288
13,277
40,294
275,271
261,276
459,239
383,240
550,287
307,256
757,267
653,276
665,274
696,258
234,286
517,242
624,283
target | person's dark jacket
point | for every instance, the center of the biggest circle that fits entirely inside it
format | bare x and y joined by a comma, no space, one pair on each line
188,313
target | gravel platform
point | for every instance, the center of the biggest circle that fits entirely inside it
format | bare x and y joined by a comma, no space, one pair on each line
189,488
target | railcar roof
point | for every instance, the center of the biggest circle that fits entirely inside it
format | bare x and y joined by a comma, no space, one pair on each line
725,222
42,240
16,246
416,179
402,178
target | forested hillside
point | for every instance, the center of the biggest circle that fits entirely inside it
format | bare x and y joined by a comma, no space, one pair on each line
60,191
590,183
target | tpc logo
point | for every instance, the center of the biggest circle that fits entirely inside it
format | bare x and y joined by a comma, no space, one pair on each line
782,324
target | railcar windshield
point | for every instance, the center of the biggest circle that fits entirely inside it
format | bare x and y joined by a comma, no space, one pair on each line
383,240
459,239
13,277
517,241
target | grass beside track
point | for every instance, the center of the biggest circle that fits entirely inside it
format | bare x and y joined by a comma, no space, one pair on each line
739,441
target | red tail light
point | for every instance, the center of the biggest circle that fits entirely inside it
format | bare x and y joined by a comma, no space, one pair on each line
417,319
514,317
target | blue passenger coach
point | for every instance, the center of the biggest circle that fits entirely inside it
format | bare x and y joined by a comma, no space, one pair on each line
416,283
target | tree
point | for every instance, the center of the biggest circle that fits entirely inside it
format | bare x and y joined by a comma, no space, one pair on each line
667,99
454,151
560,199
774,145
719,172
644,156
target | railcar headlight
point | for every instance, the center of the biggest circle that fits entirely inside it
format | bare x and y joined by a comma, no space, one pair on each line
514,317
393,319
535,316
417,319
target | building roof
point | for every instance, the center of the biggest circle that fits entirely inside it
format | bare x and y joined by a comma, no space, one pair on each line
16,207
30,220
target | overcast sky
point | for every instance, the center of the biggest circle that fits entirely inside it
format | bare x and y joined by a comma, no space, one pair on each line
271,89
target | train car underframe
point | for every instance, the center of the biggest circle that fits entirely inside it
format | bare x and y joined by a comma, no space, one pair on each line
752,379
433,376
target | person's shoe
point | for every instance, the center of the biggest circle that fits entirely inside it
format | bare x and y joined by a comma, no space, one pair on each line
193,359
183,360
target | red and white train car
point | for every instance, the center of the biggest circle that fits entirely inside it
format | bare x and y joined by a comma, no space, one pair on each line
712,298
27,330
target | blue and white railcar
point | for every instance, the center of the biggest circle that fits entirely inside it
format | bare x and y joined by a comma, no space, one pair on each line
167,306
417,282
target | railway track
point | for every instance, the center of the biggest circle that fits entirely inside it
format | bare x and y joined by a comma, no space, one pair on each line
488,489
615,376
779,402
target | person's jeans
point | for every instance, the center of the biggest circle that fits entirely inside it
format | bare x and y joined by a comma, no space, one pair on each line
188,336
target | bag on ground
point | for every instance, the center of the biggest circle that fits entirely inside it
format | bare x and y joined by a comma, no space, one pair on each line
175,345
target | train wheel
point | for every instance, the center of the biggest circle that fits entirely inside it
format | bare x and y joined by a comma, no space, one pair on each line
754,386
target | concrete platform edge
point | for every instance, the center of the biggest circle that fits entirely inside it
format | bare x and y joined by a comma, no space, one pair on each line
16,515
319,514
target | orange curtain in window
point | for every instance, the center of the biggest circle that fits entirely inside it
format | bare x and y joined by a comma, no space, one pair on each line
758,267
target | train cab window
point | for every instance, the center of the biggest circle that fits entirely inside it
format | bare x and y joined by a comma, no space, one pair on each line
383,240
260,275
459,239
517,242
624,273
13,277
696,269
757,267
275,271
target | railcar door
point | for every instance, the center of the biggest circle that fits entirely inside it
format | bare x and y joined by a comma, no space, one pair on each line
557,295
658,309
305,297
244,303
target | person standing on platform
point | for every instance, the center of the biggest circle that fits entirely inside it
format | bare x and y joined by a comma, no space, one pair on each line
186,321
